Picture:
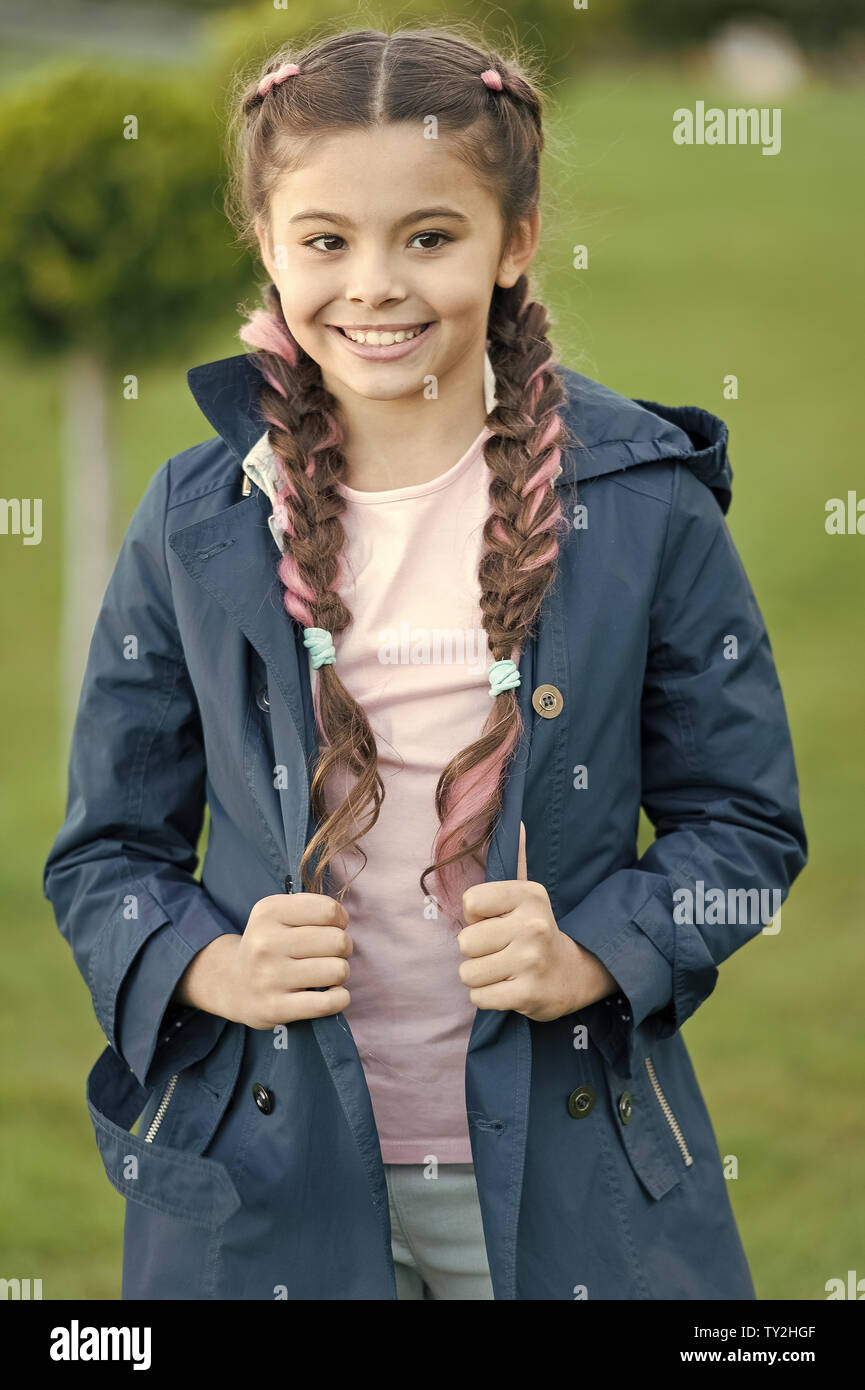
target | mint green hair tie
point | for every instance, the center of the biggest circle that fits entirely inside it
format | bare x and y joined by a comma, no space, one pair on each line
503,675
322,652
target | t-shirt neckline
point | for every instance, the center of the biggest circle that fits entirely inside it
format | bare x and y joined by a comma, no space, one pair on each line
405,494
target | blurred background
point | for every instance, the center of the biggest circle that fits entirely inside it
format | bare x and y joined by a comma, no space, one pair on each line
118,271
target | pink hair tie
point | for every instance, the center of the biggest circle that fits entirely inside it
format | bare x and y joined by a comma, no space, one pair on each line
492,79
271,79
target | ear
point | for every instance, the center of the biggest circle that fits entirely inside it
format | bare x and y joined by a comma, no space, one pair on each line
521,252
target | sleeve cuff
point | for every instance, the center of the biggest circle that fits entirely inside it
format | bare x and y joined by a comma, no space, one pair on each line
155,1036
642,972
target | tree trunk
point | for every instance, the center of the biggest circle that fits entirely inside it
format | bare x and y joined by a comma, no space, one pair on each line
86,511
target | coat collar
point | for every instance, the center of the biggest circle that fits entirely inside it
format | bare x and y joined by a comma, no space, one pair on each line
614,431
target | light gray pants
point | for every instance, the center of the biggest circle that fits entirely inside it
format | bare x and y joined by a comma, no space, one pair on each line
437,1236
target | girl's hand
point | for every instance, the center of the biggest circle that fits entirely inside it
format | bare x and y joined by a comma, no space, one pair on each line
516,956
291,962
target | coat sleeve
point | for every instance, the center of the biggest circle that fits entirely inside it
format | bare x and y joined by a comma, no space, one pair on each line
719,785
120,874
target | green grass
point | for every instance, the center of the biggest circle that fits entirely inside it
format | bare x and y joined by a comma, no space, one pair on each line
702,262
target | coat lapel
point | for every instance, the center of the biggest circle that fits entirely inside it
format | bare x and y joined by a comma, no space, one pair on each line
233,557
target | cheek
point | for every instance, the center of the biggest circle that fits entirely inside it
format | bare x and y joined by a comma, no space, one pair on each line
458,284
305,292
460,295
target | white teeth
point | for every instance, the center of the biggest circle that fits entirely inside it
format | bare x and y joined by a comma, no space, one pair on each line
385,339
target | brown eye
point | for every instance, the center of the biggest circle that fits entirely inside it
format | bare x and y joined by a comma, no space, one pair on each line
325,236
443,235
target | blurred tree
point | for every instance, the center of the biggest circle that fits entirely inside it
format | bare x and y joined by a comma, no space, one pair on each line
113,247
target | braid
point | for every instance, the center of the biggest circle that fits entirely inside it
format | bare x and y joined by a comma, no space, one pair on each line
521,538
305,436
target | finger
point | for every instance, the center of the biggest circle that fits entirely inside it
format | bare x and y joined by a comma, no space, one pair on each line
316,972
506,995
485,900
315,1004
310,909
488,970
485,937
303,942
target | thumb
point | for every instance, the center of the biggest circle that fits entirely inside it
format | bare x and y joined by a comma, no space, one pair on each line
522,872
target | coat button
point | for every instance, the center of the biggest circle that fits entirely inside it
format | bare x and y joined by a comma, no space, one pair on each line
263,1098
625,1107
547,701
580,1102
261,698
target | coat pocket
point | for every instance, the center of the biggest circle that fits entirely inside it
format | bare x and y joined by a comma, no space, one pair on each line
187,1108
178,1183
641,1125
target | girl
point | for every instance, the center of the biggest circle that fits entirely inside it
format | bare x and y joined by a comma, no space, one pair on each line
430,605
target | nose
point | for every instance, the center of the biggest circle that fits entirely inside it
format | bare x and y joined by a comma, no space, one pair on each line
373,279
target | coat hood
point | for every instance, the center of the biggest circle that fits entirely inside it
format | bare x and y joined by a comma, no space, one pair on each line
615,432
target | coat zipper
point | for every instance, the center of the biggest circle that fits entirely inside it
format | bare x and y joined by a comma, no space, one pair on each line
671,1119
163,1106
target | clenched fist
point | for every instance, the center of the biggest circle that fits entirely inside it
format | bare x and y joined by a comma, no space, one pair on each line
291,962
516,956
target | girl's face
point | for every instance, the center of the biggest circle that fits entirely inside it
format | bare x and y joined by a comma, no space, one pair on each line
386,230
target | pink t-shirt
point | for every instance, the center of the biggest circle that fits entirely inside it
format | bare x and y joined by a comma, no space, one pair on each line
416,658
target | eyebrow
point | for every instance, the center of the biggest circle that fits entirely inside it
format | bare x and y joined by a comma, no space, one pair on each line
316,215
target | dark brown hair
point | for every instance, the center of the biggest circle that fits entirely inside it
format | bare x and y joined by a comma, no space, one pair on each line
367,78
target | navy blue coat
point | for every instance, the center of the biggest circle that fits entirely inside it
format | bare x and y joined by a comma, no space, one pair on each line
597,1167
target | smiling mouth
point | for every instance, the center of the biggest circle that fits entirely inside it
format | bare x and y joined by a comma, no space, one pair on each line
382,337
